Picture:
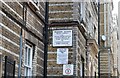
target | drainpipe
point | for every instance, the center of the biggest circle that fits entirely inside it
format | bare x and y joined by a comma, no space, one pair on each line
99,38
99,22
21,45
109,66
46,38
105,21
99,64
20,56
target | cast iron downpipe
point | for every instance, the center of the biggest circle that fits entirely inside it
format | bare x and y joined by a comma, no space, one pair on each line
21,44
46,38
99,38
20,56
99,22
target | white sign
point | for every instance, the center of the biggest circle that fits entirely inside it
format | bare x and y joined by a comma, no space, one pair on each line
62,37
62,56
68,69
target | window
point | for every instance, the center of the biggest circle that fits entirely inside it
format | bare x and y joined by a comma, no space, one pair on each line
82,67
28,60
82,10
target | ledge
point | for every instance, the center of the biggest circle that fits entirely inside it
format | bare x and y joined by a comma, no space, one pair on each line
93,44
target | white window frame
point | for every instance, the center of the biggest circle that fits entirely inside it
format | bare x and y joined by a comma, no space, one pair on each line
28,62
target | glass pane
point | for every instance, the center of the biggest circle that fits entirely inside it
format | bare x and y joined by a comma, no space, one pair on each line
30,72
29,54
25,55
26,71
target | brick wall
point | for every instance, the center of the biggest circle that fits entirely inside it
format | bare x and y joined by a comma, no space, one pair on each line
12,22
74,55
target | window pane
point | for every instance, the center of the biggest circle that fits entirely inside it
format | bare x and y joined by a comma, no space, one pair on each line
30,72
26,71
25,55
29,54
